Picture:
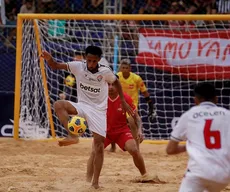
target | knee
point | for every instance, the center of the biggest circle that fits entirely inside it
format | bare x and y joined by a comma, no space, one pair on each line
99,148
134,151
58,105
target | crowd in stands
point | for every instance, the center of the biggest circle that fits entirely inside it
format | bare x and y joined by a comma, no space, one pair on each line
10,8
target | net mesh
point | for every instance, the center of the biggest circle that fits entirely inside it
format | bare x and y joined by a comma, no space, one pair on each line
170,56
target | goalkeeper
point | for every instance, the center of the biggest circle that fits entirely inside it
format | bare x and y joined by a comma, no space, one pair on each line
131,84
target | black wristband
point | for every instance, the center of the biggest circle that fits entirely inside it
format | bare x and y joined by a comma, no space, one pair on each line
147,99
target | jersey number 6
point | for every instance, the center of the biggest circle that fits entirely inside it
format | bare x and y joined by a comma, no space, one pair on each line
211,138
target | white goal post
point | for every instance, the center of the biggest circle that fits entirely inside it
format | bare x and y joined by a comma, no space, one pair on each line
170,52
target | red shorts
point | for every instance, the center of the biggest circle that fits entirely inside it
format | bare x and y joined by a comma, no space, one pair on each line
119,138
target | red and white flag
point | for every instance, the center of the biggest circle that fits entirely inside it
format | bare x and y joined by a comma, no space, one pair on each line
194,54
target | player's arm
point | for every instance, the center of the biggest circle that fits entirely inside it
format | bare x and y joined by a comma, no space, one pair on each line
145,93
52,63
126,107
138,121
178,134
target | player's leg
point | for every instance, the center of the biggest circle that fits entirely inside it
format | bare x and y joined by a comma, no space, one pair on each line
134,130
97,124
126,142
98,158
63,109
90,167
138,160
113,147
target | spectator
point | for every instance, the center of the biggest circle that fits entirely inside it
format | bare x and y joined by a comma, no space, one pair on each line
150,7
129,6
47,6
223,6
97,5
93,6
175,8
200,6
155,7
28,7
11,16
2,13
10,8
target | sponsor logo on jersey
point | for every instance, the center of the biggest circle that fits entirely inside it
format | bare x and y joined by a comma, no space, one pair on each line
131,86
99,77
119,109
90,88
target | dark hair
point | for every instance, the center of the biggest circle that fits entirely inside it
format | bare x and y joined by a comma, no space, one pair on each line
205,91
94,50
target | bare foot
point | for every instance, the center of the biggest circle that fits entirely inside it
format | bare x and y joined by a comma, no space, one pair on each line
146,178
95,186
113,148
68,141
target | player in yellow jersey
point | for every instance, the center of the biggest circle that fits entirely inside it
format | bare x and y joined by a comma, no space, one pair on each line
131,84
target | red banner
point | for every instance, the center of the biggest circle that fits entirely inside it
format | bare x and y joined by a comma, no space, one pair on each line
194,54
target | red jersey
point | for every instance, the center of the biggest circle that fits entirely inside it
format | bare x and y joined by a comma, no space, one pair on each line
116,118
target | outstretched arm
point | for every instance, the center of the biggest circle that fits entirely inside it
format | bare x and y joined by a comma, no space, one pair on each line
52,63
125,105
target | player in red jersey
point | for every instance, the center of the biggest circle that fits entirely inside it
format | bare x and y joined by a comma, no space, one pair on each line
119,132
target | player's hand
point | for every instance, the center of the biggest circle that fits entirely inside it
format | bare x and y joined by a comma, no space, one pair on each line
127,109
62,96
140,137
47,56
152,111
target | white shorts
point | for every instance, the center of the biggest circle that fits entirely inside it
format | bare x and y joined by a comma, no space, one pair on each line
191,183
96,119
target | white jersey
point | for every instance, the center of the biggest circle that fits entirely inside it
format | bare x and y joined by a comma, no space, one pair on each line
206,128
92,88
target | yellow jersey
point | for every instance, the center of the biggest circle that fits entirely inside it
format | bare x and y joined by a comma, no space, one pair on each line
132,85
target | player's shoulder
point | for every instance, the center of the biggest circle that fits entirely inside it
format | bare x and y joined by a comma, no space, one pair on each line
83,62
104,68
135,76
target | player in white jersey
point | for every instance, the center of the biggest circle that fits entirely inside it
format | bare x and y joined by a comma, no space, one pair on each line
206,129
92,89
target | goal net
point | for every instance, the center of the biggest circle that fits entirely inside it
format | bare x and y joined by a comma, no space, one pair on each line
170,55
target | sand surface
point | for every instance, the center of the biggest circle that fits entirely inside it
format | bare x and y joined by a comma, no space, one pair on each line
31,166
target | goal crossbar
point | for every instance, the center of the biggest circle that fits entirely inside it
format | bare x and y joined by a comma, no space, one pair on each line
165,17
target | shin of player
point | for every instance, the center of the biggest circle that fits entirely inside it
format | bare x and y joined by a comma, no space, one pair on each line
92,89
119,132
206,129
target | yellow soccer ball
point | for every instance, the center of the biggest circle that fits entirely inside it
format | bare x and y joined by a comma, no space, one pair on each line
77,125
70,81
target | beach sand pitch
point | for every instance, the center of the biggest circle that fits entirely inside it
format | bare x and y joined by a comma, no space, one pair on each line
32,166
